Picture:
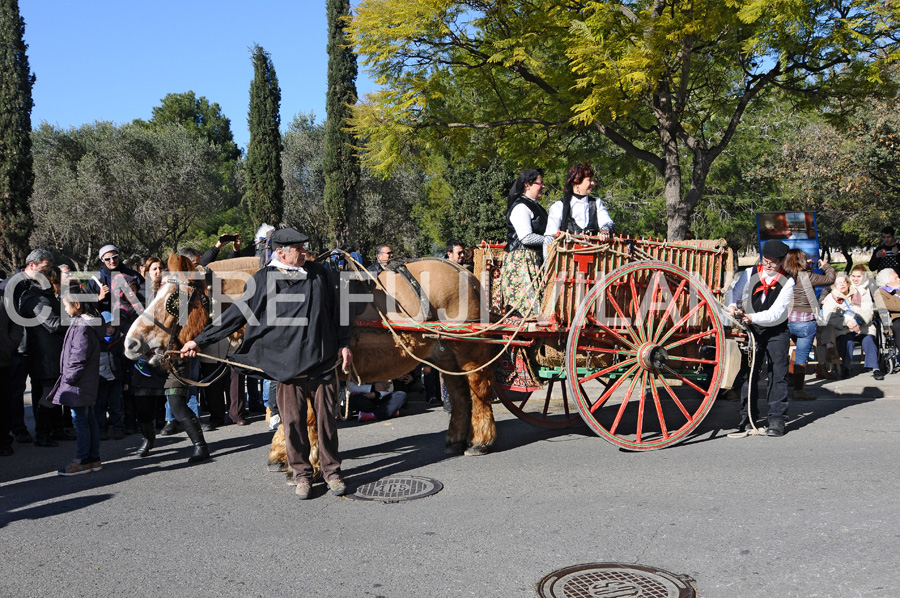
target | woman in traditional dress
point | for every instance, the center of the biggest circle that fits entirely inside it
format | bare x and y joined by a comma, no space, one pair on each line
526,220
579,213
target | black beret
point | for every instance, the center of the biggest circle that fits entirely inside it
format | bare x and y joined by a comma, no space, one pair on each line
286,237
774,249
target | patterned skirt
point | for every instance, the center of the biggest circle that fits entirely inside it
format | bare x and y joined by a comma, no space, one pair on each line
520,282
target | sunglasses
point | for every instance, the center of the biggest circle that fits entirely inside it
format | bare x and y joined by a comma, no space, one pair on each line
111,258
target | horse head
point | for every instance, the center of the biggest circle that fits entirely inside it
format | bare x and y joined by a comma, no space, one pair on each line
178,313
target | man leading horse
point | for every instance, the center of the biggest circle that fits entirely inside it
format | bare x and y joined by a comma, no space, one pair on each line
294,334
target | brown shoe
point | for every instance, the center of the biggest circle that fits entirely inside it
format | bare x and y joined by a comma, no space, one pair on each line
302,489
823,374
337,486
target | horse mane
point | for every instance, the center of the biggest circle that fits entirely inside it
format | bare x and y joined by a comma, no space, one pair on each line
179,263
198,317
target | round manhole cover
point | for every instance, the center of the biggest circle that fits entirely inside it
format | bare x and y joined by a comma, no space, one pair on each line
397,488
615,580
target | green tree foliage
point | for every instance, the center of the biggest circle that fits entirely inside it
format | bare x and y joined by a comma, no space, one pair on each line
16,170
140,188
386,210
197,115
341,163
666,83
264,195
304,180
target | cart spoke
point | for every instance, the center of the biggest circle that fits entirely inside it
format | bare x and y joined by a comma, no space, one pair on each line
692,359
675,398
684,380
628,393
612,388
613,351
675,296
629,326
693,337
654,288
611,368
643,399
636,307
682,321
659,412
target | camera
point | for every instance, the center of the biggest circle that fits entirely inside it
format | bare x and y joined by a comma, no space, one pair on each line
228,238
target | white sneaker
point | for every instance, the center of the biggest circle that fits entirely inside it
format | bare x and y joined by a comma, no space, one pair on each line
274,421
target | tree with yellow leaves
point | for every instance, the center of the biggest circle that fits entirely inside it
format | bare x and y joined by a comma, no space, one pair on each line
665,82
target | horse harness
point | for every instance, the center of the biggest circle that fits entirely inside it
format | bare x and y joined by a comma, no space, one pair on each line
173,304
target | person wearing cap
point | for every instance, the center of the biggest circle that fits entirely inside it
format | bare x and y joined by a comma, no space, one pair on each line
103,282
296,338
766,299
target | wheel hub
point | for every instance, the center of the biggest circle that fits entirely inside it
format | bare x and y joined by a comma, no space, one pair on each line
652,356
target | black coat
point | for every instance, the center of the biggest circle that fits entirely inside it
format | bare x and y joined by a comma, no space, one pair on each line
283,351
43,341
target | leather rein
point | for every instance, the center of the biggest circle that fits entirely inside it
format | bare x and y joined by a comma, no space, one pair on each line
173,307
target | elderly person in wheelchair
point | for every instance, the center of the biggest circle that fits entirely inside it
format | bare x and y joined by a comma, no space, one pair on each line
888,296
850,311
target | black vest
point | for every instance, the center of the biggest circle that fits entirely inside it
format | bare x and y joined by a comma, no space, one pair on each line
756,301
568,223
538,223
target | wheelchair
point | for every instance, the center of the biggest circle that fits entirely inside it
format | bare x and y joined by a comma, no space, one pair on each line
888,354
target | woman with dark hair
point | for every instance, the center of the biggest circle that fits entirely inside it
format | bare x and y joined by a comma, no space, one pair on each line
578,212
526,220
802,317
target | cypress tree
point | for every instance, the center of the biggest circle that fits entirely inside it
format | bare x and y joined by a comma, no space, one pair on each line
340,162
16,164
265,187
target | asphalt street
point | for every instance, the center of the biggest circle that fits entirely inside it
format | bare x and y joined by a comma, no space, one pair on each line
812,514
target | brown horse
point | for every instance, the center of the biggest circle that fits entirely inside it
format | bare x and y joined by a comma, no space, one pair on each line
452,294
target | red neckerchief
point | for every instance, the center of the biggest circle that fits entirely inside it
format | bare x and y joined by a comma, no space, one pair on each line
764,287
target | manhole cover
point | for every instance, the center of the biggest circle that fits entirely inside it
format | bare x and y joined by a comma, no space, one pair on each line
615,580
397,488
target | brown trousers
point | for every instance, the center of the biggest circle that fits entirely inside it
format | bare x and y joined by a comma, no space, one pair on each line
291,398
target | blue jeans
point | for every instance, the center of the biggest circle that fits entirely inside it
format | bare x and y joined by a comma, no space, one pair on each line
193,403
87,434
193,400
846,344
109,398
803,334
268,392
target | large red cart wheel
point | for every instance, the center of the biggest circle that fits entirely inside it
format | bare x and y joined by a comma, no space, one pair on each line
541,408
638,345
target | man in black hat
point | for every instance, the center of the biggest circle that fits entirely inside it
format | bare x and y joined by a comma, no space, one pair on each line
765,306
295,336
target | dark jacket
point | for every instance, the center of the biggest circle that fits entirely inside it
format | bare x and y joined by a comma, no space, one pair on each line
285,352
20,283
105,276
44,340
10,336
889,260
112,357
147,380
79,365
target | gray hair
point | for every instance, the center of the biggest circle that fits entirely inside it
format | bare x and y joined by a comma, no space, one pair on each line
883,278
37,256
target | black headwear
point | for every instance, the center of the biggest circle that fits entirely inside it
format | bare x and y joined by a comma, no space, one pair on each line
518,187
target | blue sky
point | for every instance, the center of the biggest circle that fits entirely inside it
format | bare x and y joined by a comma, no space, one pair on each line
115,60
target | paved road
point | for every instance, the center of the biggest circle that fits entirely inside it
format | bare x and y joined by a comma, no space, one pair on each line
813,514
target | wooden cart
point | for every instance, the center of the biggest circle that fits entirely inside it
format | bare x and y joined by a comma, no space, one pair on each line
630,337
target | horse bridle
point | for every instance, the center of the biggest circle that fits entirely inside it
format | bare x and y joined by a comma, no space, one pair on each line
173,308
